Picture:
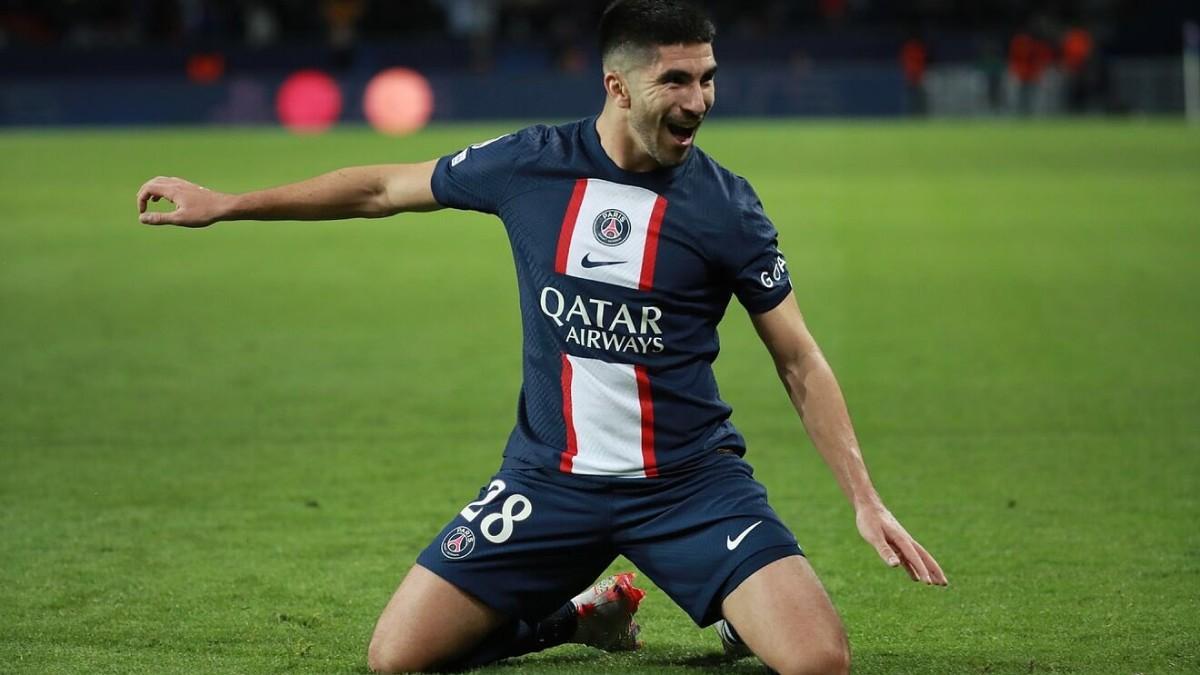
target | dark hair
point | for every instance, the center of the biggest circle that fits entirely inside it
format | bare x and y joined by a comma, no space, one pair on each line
645,24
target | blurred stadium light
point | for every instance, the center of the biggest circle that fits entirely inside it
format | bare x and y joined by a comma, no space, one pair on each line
206,61
398,101
309,101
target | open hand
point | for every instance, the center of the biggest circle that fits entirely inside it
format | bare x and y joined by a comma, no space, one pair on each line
897,547
195,206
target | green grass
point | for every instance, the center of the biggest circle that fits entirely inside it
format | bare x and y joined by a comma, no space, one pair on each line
220,450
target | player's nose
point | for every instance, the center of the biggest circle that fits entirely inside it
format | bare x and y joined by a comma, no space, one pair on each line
693,102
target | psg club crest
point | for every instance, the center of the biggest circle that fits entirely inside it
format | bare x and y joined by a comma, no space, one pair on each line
458,543
611,227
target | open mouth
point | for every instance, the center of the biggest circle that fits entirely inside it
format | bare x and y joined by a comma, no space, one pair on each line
683,134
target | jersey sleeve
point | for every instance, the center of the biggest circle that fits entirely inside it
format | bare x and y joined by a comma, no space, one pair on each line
760,274
477,178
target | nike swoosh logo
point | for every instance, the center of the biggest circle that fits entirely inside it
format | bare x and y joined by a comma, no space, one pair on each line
733,543
588,263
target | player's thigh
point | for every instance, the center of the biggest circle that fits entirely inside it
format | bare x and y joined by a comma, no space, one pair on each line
784,615
428,621
525,545
698,536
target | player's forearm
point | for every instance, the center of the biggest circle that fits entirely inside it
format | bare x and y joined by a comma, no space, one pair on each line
818,399
352,192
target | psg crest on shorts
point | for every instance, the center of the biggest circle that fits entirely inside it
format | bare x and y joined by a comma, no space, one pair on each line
458,543
611,227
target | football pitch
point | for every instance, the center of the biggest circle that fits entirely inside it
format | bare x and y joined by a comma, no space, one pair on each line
221,449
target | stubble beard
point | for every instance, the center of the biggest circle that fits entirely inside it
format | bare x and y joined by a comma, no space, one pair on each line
647,133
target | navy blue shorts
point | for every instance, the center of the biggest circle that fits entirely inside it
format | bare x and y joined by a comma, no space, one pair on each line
534,538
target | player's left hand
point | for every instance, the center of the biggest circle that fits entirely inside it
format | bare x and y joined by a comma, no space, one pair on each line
195,205
896,546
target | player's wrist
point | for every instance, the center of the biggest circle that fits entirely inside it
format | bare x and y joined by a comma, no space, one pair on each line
868,501
229,207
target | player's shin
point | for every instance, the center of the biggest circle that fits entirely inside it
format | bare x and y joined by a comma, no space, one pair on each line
521,637
600,617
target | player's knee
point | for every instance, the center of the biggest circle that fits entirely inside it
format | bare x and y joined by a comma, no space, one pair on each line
381,659
835,659
390,658
831,657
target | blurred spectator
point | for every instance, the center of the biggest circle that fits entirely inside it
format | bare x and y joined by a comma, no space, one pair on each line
341,18
261,24
1076,62
833,10
475,21
913,60
991,64
25,24
204,21
1029,58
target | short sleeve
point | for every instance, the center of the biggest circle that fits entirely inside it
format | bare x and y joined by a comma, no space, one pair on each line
477,178
760,277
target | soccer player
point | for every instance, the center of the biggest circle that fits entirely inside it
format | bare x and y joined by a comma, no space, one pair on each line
629,243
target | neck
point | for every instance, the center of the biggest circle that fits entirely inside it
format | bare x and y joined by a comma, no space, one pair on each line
619,143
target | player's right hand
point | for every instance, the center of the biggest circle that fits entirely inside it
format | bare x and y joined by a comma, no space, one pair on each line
896,546
195,206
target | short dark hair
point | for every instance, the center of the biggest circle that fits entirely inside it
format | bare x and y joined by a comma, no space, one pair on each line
646,24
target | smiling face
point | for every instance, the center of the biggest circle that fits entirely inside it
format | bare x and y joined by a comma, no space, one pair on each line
667,96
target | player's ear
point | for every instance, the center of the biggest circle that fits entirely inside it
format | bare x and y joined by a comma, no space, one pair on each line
616,88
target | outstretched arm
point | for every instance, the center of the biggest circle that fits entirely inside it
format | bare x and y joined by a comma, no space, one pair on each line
815,394
352,192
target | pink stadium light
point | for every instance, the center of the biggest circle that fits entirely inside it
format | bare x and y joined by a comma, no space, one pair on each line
398,101
308,102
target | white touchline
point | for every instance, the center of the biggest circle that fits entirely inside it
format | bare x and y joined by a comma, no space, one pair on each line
733,543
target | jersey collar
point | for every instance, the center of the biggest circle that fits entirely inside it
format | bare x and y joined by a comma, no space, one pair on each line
656,180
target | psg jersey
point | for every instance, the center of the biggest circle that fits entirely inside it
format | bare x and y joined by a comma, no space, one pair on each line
623,278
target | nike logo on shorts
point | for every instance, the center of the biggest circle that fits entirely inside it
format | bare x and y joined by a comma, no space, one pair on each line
588,263
733,543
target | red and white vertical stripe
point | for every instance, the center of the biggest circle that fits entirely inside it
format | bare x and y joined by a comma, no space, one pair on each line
609,417
633,259
608,409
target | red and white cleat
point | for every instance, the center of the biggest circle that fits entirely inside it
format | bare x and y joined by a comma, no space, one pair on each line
605,612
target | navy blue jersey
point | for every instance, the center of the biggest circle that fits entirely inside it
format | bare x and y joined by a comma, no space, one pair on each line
623,278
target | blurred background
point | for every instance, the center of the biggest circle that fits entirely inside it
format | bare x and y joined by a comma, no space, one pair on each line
103,62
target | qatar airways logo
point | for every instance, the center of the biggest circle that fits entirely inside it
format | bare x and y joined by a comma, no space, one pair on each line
603,324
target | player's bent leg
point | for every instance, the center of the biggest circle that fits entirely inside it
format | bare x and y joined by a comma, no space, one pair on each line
427,623
783,614
497,581
601,616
